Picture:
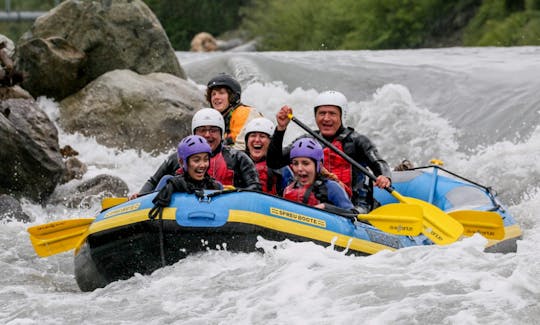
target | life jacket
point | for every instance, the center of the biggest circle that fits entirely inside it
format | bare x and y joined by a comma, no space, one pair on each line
311,194
268,179
339,166
235,119
219,171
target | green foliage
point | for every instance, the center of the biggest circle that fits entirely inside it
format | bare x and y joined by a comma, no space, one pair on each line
14,29
521,28
295,25
184,19
299,25
498,24
31,5
353,24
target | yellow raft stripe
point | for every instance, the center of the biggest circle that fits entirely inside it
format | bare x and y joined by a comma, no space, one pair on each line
513,231
127,219
307,231
253,218
277,224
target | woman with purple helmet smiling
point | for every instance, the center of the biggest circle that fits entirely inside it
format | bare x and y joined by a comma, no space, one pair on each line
310,186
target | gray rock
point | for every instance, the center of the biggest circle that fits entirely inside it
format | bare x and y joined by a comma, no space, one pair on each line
116,34
75,169
14,92
29,151
90,192
10,46
10,208
53,66
126,110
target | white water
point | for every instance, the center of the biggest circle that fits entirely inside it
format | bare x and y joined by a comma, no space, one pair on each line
476,109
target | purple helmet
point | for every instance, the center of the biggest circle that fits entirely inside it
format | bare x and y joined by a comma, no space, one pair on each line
191,145
308,147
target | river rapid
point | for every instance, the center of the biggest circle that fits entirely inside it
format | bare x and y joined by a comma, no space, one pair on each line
477,109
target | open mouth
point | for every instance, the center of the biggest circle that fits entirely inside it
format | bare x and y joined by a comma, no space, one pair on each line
199,172
302,178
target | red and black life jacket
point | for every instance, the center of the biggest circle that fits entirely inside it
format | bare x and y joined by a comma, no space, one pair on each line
311,194
269,179
218,169
339,166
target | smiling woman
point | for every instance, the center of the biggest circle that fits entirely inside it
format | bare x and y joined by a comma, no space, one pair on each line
310,186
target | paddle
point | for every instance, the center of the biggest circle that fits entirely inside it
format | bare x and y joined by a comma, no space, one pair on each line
438,226
58,236
395,218
489,224
109,202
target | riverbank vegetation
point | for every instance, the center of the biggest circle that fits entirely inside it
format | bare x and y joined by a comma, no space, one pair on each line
301,25
391,24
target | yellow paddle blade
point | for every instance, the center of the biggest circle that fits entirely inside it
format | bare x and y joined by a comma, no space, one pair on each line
396,218
58,236
489,224
438,225
108,202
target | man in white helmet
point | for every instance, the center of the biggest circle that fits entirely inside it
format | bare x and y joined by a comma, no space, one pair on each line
228,166
330,108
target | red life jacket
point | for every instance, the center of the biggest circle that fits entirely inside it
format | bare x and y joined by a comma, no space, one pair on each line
296,192
218,170
338,166
268,181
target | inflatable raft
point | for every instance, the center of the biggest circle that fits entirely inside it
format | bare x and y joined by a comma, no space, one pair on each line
122,240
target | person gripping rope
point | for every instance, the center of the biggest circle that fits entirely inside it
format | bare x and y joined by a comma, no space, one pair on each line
194,157
228,166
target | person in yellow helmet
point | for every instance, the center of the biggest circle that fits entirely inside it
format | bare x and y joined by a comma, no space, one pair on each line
223,93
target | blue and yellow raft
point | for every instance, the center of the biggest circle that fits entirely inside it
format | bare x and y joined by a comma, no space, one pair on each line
122,240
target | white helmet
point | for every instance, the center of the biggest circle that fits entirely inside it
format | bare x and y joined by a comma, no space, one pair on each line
334,98
260,124
207,116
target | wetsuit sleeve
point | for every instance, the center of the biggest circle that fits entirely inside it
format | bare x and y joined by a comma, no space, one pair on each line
374,161
337,195
168,167
247,172
277,156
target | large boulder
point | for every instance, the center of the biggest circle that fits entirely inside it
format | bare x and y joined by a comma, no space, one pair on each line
29,151
9,45
53,66
11,209
9,76
126,110
90,192
92,38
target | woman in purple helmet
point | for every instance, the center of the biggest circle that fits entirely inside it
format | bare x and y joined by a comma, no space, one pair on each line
194,157
310,186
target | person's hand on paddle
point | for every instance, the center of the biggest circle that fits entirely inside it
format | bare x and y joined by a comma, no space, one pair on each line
282,118
382,181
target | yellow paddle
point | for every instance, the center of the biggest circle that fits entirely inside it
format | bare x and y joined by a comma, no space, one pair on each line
489,224
438,226
395,218
108,202
58,236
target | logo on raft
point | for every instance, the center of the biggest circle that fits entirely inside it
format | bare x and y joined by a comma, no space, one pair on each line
125,209
298,217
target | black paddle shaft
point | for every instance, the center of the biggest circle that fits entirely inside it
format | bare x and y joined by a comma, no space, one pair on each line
343,155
